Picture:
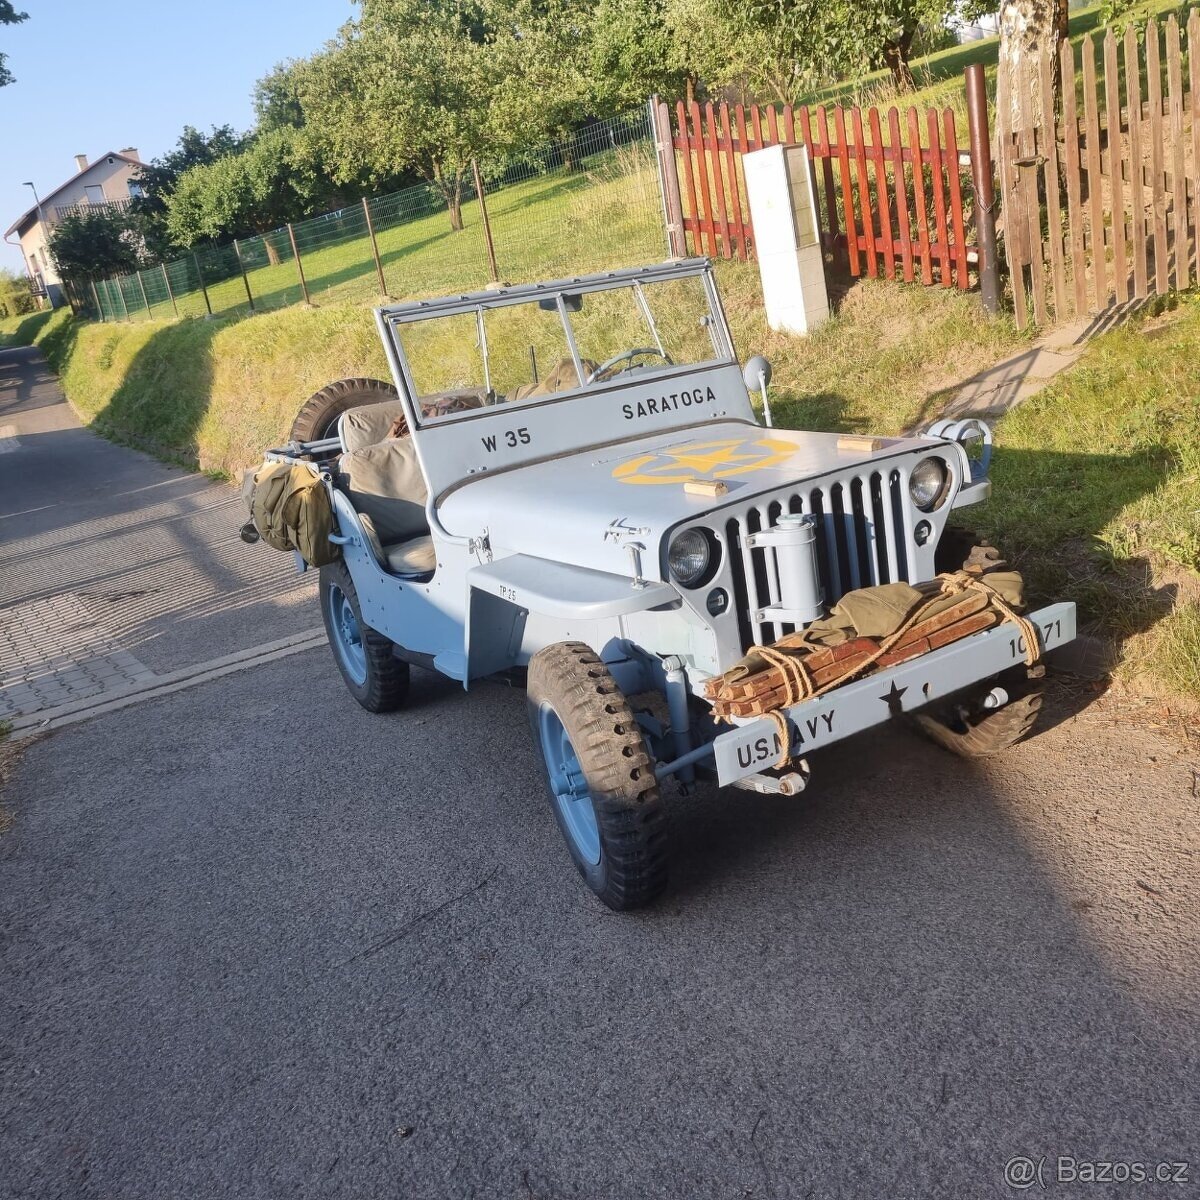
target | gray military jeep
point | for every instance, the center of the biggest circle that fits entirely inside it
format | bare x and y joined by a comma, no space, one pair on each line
567,484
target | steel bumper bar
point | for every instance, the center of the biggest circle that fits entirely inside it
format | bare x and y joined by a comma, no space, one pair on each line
754,744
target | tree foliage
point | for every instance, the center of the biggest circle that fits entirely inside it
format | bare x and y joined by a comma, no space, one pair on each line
638,48
277,101
8,16
537,65
275,179
159,178
94,243
798,44
405,85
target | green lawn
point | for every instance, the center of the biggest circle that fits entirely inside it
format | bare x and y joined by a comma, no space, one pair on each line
562,222
1097,493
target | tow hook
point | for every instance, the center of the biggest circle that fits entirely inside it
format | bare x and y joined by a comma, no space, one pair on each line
789,783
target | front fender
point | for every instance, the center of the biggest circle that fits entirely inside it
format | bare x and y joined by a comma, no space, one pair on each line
502,594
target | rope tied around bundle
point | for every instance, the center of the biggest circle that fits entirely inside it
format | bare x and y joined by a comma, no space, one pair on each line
798,683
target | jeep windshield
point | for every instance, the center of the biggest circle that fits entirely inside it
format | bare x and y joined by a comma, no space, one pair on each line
534,345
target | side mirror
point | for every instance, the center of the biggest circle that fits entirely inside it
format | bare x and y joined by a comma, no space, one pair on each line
757,374
751,372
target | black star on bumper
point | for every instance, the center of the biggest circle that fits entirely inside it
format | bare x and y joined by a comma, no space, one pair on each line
892,698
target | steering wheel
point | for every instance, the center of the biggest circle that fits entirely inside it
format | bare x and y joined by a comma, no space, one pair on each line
605,368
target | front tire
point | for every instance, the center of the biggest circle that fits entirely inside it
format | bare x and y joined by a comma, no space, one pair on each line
603,791
967,729
375,677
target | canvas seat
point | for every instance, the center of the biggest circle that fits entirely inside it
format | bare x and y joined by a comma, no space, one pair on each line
368,425
385,485
414,558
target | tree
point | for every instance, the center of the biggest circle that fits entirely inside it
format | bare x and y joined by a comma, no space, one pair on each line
800,43
409,84
277,178
787,47
94,243
159,178
538,68
8,16
635,51
1031,32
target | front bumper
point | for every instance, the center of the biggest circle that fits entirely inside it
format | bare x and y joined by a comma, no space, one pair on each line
754,745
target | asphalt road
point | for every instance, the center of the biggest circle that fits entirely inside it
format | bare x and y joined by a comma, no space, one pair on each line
259,943
148,553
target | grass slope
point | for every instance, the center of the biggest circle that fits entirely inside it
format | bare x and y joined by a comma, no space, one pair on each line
214,393
1096,494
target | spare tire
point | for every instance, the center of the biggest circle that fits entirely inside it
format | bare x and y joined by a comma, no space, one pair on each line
318,418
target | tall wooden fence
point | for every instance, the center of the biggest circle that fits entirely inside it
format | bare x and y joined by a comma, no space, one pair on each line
893,190
1100,197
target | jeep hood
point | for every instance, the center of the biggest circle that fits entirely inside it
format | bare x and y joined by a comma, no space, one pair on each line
584,508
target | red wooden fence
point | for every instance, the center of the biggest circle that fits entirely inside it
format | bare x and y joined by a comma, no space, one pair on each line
878,213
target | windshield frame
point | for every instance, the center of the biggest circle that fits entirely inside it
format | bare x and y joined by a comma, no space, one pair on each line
392,318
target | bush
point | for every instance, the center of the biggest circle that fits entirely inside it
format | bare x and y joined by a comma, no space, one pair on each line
16,296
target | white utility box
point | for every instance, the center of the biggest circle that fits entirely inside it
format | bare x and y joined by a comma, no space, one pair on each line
787,242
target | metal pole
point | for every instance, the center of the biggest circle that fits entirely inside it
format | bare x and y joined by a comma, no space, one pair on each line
145,298
121,297
668,178
96,297
167,282
299,265
983,181
200,277
374,248
237,251
487,225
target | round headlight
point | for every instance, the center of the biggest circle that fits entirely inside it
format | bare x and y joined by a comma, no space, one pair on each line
927,483
688,557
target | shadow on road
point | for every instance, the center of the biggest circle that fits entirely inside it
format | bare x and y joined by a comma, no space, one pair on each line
324,946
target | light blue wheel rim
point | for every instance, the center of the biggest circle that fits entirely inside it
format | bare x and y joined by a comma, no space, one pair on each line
571,795
346,635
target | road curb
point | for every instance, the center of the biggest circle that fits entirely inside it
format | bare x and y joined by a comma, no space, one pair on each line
166,685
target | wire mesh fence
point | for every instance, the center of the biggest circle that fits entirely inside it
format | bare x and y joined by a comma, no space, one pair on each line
584,204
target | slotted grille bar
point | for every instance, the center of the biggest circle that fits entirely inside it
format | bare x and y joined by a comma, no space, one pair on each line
863,532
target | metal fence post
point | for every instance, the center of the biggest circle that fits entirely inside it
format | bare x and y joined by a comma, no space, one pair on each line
145,298
487,225
237,252
983,181
299,264
374,247
121,297
668,177
96,297
170,293
200,277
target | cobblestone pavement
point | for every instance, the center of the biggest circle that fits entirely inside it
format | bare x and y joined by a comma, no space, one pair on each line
116,569
54,651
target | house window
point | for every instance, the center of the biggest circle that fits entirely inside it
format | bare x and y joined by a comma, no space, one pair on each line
135,189
95,193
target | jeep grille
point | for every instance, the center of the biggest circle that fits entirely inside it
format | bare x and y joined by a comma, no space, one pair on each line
863,540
